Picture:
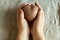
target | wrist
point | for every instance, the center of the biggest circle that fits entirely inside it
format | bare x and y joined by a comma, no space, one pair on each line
38,34
23,35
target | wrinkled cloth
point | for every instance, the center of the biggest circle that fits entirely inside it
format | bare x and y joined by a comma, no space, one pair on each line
8,11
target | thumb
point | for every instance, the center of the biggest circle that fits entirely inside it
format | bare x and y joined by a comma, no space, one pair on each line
38,5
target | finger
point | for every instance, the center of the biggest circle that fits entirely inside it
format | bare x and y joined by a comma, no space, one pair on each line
38,5
22,5
20,15
40,15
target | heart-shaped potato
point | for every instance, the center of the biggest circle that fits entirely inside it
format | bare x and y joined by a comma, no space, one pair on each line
30,11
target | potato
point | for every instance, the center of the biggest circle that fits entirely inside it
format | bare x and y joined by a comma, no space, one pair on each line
30,12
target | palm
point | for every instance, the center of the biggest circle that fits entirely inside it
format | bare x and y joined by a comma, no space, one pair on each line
38,23
21,22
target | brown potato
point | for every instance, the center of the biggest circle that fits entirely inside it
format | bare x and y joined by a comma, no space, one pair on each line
30,12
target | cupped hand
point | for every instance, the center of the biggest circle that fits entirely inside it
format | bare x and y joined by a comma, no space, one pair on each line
23,30
38,24
21,21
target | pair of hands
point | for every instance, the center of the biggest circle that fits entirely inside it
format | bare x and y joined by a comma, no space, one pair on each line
37,24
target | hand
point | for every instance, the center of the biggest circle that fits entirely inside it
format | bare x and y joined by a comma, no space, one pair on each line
38,24
23,30
39,21
21,22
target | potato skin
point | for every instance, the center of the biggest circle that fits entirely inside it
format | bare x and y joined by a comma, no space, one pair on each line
30,12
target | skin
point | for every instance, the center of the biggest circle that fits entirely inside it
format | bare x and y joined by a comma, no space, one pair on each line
23,30
37,25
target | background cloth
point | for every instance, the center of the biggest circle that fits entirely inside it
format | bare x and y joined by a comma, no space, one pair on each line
8,11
